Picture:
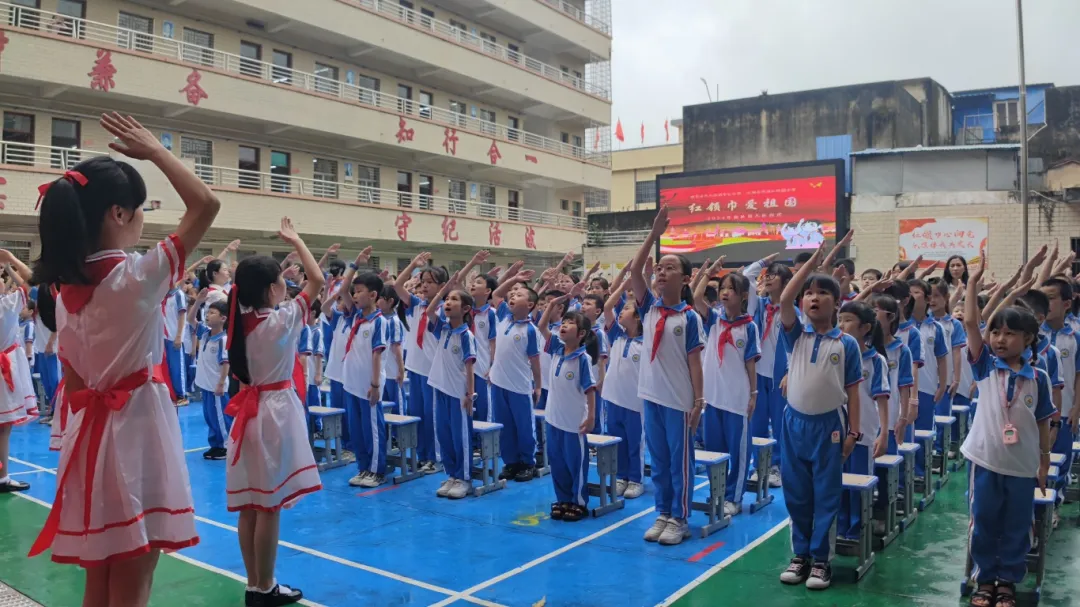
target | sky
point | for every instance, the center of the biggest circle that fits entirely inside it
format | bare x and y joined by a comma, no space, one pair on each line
661,49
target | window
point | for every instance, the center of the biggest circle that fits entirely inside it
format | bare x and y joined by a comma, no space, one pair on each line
325,174
426,17
65,135
404,188
369,88
576,139
251,59
406,11
461,31
457,196
18,137
645,192
136,32
513,53
564,205
487,201
367,182
202,152
197,45
488,120
281,73
513,198
427,100
577,79
489,42
326,79
564,137
71,24
249,166
512,134
427,190
1006,113
459,109
20,17
280,172
404,104
577,208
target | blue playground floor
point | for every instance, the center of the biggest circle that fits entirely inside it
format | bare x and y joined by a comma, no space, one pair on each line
400,545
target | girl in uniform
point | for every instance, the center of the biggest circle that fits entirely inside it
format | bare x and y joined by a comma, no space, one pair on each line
13,364
955,340
175,309
338,309
311,355
122,491
772,367
624,332
46,363
933,380
393,362
483,329
901,377
270,463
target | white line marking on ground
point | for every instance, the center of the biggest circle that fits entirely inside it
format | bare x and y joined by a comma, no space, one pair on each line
466,594
196,449
32,472
724,563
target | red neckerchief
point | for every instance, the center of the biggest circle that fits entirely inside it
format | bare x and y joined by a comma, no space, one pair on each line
770,315
726,337
660,323
421,329
356,327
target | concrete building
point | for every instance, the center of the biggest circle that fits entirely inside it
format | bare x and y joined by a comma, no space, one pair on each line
447,125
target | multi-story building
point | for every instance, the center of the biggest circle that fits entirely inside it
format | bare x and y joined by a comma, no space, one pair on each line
446,125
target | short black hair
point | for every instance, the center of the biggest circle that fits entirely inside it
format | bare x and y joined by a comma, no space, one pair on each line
803,257
873,272
1037,301
370,280
221,306
848,263
1064,287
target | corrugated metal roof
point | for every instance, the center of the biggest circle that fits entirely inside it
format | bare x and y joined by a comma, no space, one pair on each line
999,89
940,148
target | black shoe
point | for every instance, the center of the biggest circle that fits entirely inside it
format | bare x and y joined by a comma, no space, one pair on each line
797,571
13,485
820,576
509,471
215,453
525,474
280,595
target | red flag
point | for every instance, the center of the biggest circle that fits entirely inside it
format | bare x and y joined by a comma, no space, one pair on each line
618,131
596,142
667,133
643,133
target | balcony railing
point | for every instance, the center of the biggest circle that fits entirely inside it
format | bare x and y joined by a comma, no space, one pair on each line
200,56
614,239
577,14
26,154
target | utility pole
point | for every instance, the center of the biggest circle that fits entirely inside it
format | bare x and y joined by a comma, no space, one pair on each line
707,91
1022,112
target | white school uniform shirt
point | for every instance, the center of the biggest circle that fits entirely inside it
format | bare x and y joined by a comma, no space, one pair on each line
1066,343
453,348
395,334
311,343
665,379
875,383
27,328
545,358
484,330
955,337
517,342
42,334
366,335
601,351
419,359
1028,392
212,355
624,363
821,367
898,358
571,379
340,323
773,361
913,340
934,347
1049,361
11,304
726,385
175,305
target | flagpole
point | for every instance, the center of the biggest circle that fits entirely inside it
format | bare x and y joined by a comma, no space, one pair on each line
1023,131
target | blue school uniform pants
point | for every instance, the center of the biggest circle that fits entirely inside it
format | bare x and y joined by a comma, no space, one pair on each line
769,411
671,448
174,359
422,404
368,433
849,520
568,456
392,393
453,427
517,439
894,449
1063,445
47,366
813,471
481,406
189,364
598,416
942,436
218,424
924,421
727,432
337,401
627,425
1002,513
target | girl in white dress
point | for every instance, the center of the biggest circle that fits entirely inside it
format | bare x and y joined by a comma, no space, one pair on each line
270,462
15,370
122,486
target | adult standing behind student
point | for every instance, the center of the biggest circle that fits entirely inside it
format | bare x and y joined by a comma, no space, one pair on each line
123,443
956,273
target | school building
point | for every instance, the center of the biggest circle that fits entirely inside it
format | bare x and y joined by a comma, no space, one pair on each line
446,125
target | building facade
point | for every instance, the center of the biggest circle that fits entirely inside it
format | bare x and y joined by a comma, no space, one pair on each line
447,125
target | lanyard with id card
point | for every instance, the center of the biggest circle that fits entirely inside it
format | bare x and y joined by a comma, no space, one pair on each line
1008,434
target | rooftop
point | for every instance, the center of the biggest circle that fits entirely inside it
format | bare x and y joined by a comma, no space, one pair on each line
941,148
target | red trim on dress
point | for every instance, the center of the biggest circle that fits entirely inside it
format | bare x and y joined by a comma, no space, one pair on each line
283,502
276,489
188,510
123,556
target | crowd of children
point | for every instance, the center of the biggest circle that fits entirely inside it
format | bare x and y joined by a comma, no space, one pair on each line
837,374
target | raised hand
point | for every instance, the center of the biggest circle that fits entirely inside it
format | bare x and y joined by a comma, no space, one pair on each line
287,232
333,249
421,259
234,245
133,140
364,256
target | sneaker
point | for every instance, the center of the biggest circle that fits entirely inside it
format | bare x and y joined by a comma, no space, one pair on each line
359,479
797,571
1056,520
525,474
731,508
633,490
444,488
215,453
45,420
280,595
13,485
676,531
820,576
753,477
428,467
372,480
654,532
183,402
348,457
774,477
459,489
620,487
509,471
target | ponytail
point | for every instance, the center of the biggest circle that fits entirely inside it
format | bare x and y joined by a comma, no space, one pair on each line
251,286
46,306
582,322
877,337
237,344
867,316
687,295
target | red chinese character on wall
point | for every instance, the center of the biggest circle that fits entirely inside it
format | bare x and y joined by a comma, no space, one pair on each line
404,134
494,234
3,181
450,140
3,42
449,230
493,152
530,237
402,224
195,93
531,159
101,76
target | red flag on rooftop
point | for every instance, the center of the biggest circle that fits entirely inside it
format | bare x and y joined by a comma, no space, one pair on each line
618,131
596,142
642,133
667,133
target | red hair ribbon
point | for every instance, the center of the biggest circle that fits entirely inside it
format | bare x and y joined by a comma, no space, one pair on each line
72,176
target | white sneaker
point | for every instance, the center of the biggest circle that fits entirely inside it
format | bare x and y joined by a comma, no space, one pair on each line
654,532
444,488
348,457
358,480
371,481
774,477
633,490
620,487
459,489
676,531
753,476
731,508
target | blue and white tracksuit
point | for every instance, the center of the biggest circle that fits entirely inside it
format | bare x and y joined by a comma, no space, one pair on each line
516,346
570,381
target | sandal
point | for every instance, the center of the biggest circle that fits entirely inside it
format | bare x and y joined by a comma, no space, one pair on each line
575,513
13,485
1005,599
558,511
983,597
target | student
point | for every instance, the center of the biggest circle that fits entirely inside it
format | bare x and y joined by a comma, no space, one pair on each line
860,321
363,376
212,373
26,345
109,308
270,462
13,395
393,362
599,286
1059,294
483,329
624,415
592,306
216,277
1008,446
670,382
334,271
515,378
844,272
955,339
869,277
824,370
547,298
965,386
730,379
933,380
311,356
46,362
338,309
571,408
175,310
772,367
800,260
902,408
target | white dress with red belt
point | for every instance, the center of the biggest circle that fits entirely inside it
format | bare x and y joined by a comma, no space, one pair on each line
269,463
122,487
15,384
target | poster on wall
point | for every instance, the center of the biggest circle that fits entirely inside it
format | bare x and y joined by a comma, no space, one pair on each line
939,239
